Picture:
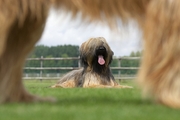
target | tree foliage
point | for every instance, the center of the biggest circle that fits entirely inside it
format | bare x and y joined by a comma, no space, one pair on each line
131,63
127,63
53,52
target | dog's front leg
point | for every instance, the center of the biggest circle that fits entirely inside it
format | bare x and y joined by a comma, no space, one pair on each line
20,34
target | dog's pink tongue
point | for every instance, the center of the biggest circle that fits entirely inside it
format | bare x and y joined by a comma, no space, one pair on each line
101,60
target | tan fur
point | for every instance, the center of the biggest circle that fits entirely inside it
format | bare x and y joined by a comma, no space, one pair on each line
22,23
92,75
160,70
69,80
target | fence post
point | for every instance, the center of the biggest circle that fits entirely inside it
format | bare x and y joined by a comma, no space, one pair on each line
41,63
119,71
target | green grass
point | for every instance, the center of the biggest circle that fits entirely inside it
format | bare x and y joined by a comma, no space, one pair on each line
87,104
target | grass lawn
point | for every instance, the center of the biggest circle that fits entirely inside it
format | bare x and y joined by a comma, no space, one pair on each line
87,104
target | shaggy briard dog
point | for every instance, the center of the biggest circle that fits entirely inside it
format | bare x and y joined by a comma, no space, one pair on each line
95,56
22,23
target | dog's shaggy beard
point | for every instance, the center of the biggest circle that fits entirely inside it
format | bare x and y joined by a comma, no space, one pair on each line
98,63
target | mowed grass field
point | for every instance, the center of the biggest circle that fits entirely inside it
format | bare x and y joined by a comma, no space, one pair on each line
87,104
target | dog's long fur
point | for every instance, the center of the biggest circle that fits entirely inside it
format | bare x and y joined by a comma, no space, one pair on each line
22,23
94,74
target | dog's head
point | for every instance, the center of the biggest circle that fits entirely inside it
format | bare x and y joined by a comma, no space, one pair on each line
96,52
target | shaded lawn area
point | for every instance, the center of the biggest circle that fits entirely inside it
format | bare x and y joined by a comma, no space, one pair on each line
87,104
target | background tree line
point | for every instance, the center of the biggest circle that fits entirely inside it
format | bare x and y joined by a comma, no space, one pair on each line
127,63
71,51
53,52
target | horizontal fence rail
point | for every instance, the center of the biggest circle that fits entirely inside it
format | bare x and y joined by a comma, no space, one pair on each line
69,58
51,68
40,76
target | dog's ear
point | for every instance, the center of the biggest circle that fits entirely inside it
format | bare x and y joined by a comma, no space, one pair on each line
111,57
83,59
83,56
112,53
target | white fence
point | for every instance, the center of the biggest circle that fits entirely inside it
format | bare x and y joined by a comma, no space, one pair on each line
41,76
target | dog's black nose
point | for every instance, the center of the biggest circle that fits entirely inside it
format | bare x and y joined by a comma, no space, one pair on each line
102,48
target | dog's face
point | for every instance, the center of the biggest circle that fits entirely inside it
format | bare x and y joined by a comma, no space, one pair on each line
96,51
